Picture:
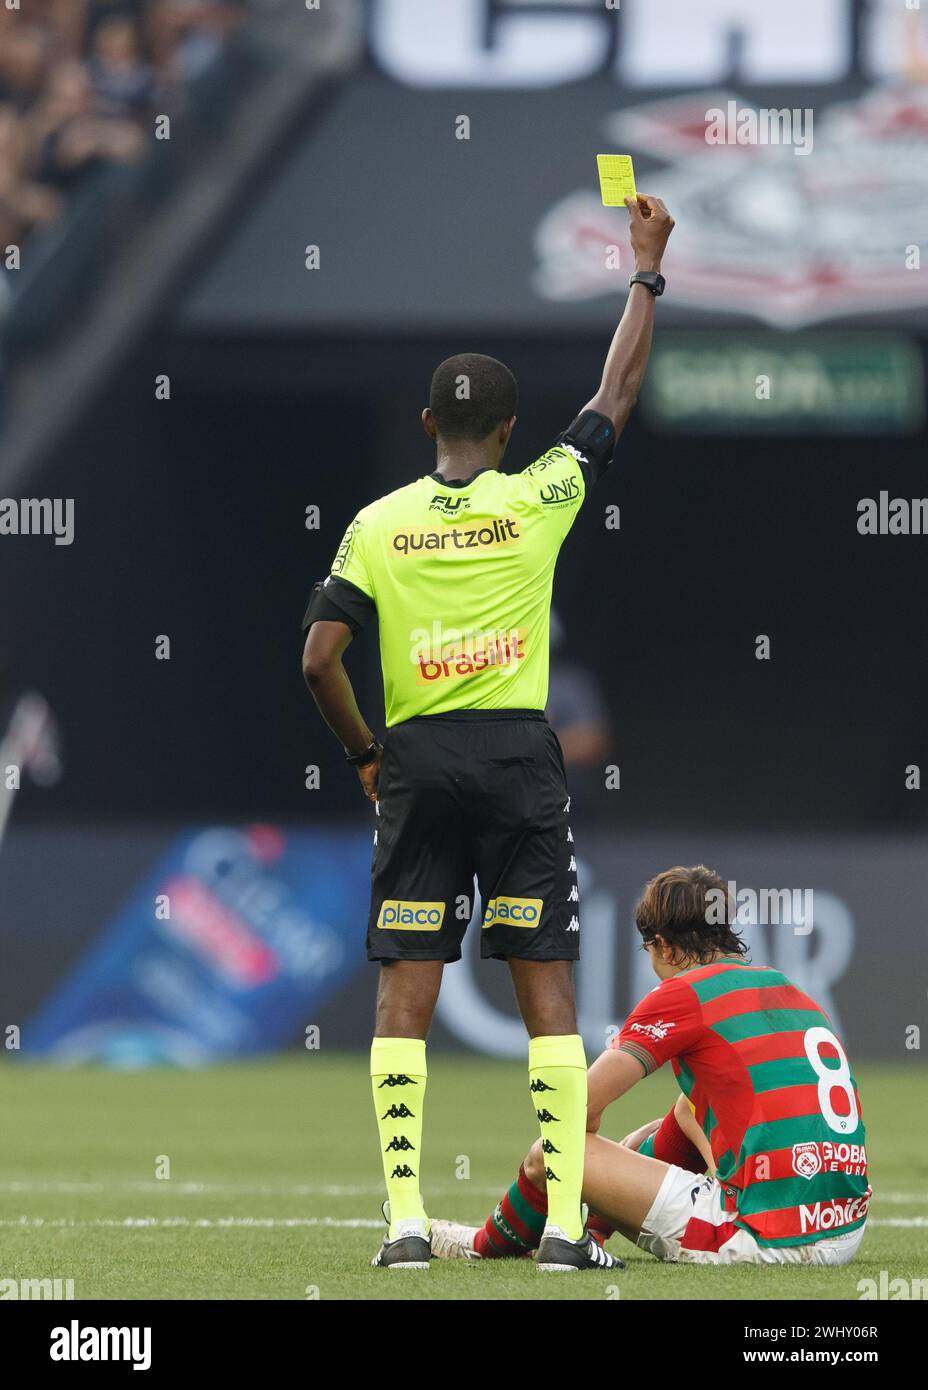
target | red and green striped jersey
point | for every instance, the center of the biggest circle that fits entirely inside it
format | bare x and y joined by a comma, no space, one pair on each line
772,1088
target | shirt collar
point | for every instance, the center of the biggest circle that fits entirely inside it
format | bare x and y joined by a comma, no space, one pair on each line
459,482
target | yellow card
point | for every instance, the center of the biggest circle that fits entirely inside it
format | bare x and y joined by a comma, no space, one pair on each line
616,179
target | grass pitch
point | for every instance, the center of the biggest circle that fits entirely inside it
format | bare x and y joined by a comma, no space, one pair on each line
274,1186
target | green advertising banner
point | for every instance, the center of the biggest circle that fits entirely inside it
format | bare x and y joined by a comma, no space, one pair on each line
858,383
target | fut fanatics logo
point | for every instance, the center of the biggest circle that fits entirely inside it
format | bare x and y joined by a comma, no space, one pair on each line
514,912
411,916
449,506
657,1030
807,1161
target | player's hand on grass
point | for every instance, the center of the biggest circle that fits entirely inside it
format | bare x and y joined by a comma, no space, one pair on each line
649,228
638,1136
369,776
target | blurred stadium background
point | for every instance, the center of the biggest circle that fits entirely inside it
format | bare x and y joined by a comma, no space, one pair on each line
138,267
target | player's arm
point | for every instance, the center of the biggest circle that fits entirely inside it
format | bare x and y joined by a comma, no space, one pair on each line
649,225
611,1075
339,607
327,679
685,1121
641,1135
677,1139
661,1026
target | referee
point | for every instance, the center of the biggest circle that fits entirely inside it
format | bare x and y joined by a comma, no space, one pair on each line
458,568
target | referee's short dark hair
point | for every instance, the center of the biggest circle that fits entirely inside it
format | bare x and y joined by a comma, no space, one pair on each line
472,394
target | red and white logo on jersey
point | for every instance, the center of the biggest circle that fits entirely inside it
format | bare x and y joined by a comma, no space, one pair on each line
825,1216
812,1158
807,1160
657,1030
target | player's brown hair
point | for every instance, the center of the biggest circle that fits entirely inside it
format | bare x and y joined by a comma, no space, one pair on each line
677,906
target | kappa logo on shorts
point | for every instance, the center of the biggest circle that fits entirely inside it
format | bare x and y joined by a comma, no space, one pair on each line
411,916
515,912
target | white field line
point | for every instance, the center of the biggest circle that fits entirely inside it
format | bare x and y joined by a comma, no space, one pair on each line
222,1189
147,1223
144,1223
25,1186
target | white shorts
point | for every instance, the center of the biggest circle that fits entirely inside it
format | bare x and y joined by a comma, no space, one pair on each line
690,1197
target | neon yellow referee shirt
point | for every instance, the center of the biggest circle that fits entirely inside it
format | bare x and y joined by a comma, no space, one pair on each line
460,575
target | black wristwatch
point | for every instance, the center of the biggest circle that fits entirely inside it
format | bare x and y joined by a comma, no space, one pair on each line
362,759
651,279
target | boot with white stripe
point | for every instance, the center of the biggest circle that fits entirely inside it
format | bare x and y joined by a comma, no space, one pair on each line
558,1254
410,1248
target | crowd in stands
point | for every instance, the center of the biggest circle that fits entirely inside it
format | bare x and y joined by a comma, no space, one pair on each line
81,82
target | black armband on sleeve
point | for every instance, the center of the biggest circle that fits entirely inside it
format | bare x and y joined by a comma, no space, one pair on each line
593,437
338,600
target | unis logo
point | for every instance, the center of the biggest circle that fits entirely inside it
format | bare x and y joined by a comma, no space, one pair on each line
514,912
411,916
449,506
500,531
560,490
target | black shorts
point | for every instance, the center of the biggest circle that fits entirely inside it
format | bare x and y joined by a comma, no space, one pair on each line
465,794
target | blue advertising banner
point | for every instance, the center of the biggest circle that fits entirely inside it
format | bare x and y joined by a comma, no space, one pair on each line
226,948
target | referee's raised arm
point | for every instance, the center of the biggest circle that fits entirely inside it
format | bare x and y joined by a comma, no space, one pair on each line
649,225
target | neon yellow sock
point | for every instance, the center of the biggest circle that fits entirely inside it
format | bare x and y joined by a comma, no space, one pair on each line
398,1078
557,1068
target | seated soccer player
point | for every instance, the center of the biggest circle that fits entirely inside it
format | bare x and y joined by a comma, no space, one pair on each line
769,1116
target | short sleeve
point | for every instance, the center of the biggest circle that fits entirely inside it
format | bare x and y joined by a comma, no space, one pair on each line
557,482
665,1024
347,593
350,562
